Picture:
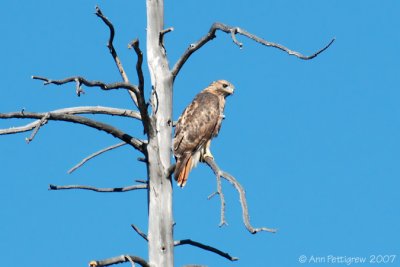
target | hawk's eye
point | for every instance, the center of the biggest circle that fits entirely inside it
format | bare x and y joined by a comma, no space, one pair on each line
225,85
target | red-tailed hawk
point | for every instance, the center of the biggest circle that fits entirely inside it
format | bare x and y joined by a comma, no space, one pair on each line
198,124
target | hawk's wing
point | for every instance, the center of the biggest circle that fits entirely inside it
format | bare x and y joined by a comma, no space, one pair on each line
195,127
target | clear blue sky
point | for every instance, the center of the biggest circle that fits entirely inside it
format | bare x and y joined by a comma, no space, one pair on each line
315,143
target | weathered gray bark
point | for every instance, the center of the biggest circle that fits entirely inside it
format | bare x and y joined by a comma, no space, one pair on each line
160,238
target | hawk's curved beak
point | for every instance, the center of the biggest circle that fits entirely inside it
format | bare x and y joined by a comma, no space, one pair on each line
230,90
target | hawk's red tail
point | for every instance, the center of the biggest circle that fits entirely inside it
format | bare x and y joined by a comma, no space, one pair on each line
182,170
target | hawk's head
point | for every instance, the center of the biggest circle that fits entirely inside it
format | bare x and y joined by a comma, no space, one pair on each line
221,87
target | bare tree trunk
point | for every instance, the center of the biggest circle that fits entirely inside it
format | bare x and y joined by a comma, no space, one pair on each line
160,236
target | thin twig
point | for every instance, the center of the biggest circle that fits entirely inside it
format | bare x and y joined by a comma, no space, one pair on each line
233,31
245,211
42,121
80,80
142,181
102,190
142,159
139,232
136,143
119,259
205,247
80,164
131,261
113,52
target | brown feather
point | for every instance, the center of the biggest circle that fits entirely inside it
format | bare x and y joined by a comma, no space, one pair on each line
198,124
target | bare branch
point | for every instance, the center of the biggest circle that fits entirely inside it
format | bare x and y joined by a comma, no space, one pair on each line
119,259
136,143
113,52
165,31
205,247
233,31
222,198
138,94
100,110
103,190
139,232
74,110
162,33
25,128
245,211
142,104
80,80
80,164
135,45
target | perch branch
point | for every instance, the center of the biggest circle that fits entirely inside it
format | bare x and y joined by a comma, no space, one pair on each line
205,247
113,52
80,80
80,164
139,232
136,143
222,198
103,190
245,211
233,31
119,259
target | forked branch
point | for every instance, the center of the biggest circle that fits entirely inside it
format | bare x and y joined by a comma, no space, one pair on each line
120,259
245,211
136,143
36,125
113,52
233,31
137,95
102,190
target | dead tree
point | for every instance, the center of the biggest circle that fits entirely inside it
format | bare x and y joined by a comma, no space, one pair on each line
155,114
